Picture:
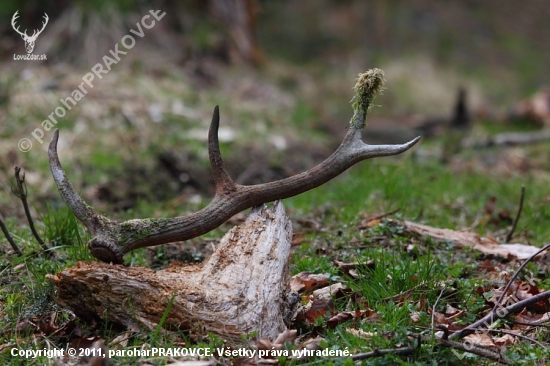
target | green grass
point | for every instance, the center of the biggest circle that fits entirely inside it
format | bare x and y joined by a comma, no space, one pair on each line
424,190
427,192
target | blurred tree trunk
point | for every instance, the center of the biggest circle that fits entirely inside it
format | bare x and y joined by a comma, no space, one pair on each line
239,17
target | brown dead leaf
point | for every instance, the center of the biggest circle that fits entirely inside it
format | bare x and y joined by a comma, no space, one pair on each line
287,336
84,342
415,316
267,361
422,302
360,333
490,206
350,269
25,327
345,316
315,309
334,291
535,108
354,242
339,318
309,223
47,325
373,317
313,344
400,298
526,318
94,359
450,310
307,282
480,340
440,318
120,341
505,340
265,344
368,223
371,220
519,291
297,238
486,265
455,316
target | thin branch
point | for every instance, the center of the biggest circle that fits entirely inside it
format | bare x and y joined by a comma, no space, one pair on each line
486,353
533,324
402,351
499,314
384,215
22,194
435,305
512,279
10,239
518,335
511,233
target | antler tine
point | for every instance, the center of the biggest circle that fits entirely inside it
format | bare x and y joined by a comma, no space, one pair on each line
44,23
13,19
224,183
37,32
77,205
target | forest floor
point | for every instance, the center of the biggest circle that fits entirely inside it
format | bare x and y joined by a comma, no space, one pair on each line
137,148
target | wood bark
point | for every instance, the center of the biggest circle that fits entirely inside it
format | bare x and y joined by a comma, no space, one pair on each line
242,288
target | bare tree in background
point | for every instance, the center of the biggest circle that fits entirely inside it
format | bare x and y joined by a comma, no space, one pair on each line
239,17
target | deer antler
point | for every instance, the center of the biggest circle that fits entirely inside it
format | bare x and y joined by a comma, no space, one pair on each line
15,16
111,240
29,40
37,33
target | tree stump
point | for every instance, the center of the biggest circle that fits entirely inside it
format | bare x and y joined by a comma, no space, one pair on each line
242,288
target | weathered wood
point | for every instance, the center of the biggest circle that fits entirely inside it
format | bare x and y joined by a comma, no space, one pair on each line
241,288
510,139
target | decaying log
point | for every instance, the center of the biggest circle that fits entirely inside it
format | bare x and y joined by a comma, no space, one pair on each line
510,139
242,288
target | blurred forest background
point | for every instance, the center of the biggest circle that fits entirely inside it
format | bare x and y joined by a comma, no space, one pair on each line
281,71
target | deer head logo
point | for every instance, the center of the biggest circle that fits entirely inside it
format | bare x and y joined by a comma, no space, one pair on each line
29,41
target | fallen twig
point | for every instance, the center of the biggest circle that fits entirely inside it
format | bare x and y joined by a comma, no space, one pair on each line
435,304
518,335
532,324
385,214
10,239
512,279
486,353
22,195
404,294
402,351
501,313
511,233
509,138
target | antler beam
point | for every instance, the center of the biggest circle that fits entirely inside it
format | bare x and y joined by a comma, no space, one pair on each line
112,240
13,19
